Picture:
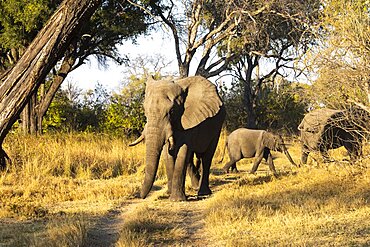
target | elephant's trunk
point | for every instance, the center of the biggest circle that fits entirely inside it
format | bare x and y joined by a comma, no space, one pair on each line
288,156
154,144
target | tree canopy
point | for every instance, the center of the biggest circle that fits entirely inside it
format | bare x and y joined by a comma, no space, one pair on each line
341,64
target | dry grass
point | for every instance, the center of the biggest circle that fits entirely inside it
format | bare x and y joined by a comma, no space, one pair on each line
59,231
317,205
57,183
153,224
64,174
312,207
53,170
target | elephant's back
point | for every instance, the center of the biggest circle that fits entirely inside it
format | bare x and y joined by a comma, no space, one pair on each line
314,125
245,140
246,133
316,120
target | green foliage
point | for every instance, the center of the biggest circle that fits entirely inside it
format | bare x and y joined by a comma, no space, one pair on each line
279,108
341,63
112,24
59,111
236,113
97,110
125,113
20,20
80,112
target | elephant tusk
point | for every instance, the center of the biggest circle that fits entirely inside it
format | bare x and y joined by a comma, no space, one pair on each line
171,143
137,141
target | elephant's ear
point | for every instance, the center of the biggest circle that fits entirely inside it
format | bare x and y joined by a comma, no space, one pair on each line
269,140
202,100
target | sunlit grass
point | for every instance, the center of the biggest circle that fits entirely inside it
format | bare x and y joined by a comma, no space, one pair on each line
51,170
313,207
153,224
56,178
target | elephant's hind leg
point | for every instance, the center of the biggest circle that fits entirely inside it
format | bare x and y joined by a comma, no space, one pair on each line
206,161
233,158
234,168
193,171
232,164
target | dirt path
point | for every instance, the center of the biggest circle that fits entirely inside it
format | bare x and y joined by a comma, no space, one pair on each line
175,223
106,229
189,218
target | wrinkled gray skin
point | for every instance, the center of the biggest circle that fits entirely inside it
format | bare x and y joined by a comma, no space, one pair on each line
248,143
325,129
185,117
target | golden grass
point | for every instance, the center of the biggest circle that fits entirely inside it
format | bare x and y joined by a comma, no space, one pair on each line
312,207
53,170
56,178
153,224
60,231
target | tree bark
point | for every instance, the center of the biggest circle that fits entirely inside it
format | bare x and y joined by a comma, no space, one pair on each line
42,54
28,116
248,97
58,79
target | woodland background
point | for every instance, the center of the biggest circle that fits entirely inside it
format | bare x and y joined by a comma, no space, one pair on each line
272,60
73,180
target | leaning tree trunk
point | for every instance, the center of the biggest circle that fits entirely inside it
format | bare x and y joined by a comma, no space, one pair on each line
35,110
47,98
42,54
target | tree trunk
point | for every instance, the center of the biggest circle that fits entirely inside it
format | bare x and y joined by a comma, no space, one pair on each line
58,79
42,54
28,116
248,98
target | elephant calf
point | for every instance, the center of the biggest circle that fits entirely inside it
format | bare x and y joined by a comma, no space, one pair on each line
248,143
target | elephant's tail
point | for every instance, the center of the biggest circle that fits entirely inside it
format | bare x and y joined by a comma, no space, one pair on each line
223,153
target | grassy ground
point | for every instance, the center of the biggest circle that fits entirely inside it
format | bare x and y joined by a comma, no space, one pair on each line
60,188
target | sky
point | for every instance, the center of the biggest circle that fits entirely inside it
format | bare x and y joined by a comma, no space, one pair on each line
88,75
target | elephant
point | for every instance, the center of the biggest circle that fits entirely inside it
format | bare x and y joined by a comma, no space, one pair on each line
184,118
248,143
324,129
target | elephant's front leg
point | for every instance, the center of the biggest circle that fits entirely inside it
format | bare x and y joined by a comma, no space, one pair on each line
270,162
179,172
304,156
257,161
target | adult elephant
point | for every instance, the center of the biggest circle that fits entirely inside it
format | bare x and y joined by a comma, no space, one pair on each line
248,143
187,116
325,129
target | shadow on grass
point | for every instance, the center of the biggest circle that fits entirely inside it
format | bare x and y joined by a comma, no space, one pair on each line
246,178
19,233
54,230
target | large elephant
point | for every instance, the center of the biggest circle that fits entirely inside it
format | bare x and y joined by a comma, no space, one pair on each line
248,143
186,115
325,129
